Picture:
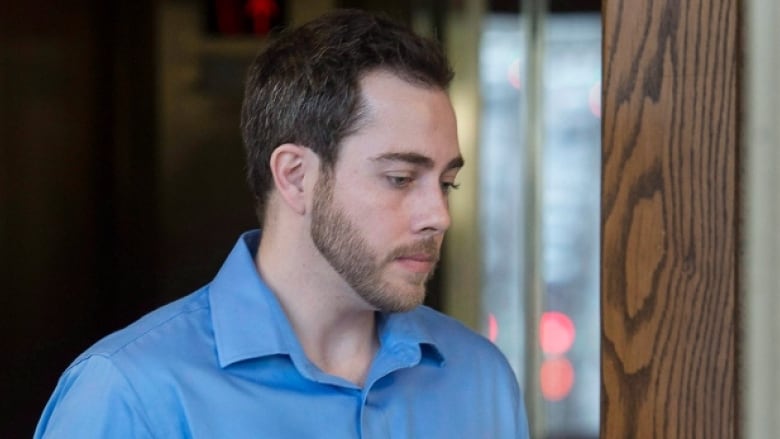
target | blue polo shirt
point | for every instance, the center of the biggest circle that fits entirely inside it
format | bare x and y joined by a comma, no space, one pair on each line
224,362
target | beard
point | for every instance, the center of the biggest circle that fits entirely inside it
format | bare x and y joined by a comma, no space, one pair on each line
347,251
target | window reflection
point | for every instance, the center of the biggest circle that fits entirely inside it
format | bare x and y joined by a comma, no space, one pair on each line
570,209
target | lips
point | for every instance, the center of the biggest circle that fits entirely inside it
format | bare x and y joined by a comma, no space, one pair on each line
418,263
419,257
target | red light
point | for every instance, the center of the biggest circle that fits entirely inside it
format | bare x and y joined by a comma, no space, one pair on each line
556,333
262,11
492,328
557,378
594,99
513,74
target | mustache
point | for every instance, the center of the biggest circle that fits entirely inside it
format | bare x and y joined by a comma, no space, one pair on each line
428,247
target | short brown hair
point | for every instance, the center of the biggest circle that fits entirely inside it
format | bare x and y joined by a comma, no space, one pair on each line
304,87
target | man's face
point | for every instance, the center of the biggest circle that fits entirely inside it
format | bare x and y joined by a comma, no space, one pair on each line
380,215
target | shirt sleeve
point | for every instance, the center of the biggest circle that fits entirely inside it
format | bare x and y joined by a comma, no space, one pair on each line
93,399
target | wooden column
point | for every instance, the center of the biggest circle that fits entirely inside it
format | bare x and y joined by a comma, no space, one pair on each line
670,222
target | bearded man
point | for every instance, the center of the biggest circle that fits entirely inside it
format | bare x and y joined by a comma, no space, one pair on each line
315,326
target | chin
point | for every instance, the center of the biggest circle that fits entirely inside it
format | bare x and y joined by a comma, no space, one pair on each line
399,294
411,299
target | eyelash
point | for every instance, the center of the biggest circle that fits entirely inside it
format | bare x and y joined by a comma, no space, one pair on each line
447,187
401,182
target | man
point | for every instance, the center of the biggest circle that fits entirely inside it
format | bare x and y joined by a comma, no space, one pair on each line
315,328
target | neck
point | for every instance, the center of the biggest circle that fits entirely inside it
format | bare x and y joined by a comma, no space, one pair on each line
336,328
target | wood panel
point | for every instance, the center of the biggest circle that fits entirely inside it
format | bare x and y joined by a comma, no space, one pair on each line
670,218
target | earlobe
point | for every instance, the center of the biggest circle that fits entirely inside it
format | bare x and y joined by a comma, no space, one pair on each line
288,169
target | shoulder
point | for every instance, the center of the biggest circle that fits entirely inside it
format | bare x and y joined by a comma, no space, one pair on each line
108,389
158,336
93,399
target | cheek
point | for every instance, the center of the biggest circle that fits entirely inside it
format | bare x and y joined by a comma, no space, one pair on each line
379,217
380,213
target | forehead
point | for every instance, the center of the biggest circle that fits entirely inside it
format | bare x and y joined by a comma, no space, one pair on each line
401,117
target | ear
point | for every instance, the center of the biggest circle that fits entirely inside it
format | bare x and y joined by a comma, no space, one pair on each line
288,167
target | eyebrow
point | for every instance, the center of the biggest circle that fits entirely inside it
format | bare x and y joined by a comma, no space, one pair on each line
417,160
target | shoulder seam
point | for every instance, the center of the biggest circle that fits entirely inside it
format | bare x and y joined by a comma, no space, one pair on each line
110,353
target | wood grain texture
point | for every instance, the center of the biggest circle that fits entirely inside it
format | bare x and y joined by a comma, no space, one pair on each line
670,218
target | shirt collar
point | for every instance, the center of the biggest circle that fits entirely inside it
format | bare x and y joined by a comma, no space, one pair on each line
249,321
408,329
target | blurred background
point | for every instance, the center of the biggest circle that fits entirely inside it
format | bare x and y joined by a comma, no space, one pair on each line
122,177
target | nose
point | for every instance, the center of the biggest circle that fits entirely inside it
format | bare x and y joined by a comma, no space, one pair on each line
432,212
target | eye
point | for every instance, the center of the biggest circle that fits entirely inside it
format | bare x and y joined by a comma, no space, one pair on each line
399,181
446,187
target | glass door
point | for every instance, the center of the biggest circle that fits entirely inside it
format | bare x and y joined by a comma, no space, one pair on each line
538,202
